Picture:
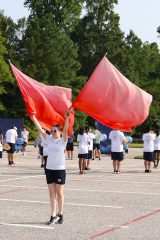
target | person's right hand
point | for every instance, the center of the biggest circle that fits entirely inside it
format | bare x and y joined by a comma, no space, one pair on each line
67,113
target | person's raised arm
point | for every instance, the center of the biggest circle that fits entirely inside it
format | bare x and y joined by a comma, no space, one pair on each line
38,126
66,126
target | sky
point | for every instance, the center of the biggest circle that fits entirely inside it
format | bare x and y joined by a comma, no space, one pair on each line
141,16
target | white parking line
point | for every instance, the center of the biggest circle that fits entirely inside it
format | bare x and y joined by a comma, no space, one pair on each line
104,191
72,204
25,225
22,186
13,179
112,181
85,190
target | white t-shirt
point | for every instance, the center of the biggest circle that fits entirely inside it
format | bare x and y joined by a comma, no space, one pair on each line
157,143
117,137
11,136
56,153
83,141
25,135
1,147
91,137
45,147
98,136
148,139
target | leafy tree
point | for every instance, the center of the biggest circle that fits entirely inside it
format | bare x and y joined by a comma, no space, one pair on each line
5,75
98,33
64,14
48,53
12,101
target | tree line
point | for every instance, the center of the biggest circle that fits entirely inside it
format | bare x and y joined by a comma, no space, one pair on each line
62,41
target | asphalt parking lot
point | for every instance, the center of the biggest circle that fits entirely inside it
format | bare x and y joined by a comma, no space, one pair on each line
98,204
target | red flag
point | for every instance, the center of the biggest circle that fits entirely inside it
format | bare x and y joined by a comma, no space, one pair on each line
112,99
49,103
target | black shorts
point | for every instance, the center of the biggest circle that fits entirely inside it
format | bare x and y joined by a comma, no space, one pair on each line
69,147
148,156
96,146
41,151
0,154
84,155
89,154
55,176
117,156
12,148
156,151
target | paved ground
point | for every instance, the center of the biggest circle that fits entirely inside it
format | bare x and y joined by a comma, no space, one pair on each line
98,205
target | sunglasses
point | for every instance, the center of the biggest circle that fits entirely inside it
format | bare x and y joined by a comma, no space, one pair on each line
55,130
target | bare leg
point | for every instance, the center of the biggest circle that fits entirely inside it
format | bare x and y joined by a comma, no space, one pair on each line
149,165
80,165
88,162
114,165
94,154
9,158
158,157
84,164
60,197
68,153
99,154
145,165
52,195
118,165
71,154
155,158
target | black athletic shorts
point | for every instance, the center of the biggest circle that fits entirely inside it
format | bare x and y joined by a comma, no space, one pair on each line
55,176
148,156
156,151
89,154
41,150
69,147
96,146
117,156
84,155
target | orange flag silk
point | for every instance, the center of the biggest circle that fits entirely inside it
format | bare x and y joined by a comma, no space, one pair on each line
112,99
48,103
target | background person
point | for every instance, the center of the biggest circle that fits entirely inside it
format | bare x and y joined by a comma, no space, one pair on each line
25,136
11,137
83,141
117,140
55,168
1,143
157,149
148,151
70,147
90,147
96,144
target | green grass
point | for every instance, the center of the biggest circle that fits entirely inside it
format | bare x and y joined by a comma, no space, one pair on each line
136,145
138,157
